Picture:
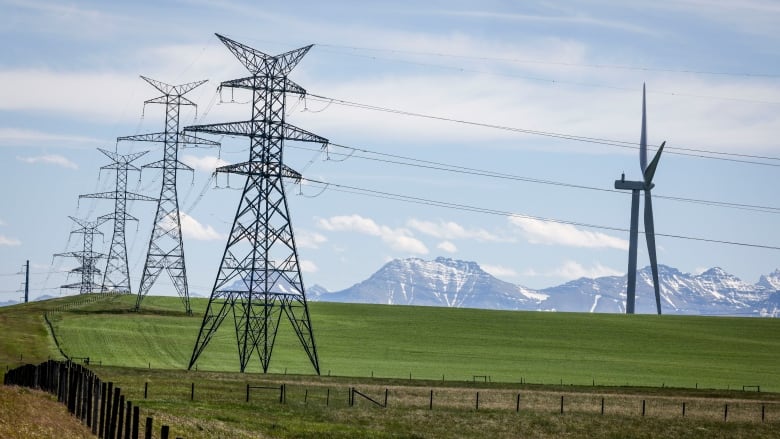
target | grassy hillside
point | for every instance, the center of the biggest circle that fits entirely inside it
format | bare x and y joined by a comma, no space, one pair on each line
356,340
34,414
394,341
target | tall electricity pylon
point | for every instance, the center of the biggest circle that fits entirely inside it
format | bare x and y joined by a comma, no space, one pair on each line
86,256
259,277
166,248
116,276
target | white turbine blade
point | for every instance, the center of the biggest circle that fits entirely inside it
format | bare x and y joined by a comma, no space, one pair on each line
643,137
650,171
650,236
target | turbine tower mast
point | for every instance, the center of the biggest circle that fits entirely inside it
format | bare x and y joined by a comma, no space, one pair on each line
116,276
86,256
166,248
646,185
259,278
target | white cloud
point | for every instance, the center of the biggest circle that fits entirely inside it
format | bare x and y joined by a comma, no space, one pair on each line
191,228
450,230
16,137
9,242
205,164
308,239
574,270
447,246
546,232
308,266
499,271
398,239
50,159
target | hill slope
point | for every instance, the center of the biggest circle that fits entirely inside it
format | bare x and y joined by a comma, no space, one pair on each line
428,342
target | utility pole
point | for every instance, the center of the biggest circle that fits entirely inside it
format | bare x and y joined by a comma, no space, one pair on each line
27,281
166,247
259,277
116,276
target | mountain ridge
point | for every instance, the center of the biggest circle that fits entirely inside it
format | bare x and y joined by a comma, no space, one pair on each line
457,283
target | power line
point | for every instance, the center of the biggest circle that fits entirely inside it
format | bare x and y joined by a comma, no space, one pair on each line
428,164
559,63
691,152
470,208
562,81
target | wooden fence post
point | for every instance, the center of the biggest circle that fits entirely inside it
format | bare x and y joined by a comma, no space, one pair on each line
96,406
561,404
128,419
683,410
146,389
430,402
477,400
726,413
164,431
120,421
148,429
517,407
114,412
103,399
602,405
327,397
136,422
192,392
643,407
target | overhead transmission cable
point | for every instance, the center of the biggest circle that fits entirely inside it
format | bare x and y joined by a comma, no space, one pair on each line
692,152
555,63
470,208
429,164
563,81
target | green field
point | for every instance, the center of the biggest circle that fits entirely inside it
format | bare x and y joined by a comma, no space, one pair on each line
663,359
394,341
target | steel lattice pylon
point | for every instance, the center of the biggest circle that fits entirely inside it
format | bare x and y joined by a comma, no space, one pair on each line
259,278
116,276
86,256
166,248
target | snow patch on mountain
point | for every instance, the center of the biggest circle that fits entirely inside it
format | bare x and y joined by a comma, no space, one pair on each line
456,283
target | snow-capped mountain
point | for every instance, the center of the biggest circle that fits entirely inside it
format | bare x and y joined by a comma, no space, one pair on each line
442,282
454,283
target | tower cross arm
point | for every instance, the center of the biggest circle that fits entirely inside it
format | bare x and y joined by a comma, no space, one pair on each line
170,99
259,168
263,64
80,254
244,128
291,132
121,158
250,83
173,90
161,164
161,138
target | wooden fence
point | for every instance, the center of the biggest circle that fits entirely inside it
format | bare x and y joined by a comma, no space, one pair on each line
99,405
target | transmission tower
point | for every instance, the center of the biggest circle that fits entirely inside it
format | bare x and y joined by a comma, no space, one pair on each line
259,278
86,256
166,248
116,276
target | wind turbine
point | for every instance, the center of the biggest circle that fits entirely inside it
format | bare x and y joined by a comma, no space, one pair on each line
646,185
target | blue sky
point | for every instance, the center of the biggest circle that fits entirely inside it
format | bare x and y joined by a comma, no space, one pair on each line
69,84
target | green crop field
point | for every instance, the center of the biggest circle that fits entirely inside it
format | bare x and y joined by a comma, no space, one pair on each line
394,341
376,348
